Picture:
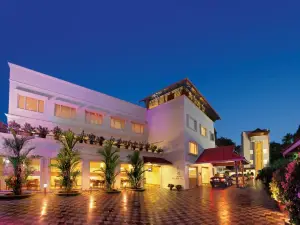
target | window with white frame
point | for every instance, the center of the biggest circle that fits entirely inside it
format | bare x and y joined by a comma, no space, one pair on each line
93,118
203,131
117,123
65,112
191,122
31,104
138,128
193,148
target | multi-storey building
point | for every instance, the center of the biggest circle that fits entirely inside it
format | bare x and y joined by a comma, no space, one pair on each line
178,119
256,149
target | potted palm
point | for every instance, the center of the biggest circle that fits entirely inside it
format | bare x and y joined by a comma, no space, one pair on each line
14,125
42,131
118,143
141,146
92,138
111,161
153,148
100,140
28,129
18,151
147,147
67,162
126,144
134,145
135,174
57,131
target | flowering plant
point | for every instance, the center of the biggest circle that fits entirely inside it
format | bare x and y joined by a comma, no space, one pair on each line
291,187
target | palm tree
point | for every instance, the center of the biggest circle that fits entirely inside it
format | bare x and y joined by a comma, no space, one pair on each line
18,156
287,139
67,160
135,174
111,161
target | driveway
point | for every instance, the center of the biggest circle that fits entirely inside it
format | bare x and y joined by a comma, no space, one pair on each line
202,205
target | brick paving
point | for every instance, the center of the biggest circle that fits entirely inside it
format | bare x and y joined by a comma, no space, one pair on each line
202,205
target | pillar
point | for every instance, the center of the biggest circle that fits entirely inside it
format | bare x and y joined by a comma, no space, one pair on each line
85,175
45,173
236,174
118,178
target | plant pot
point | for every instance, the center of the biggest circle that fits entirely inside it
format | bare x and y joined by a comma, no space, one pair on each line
11,196
113,192
138,189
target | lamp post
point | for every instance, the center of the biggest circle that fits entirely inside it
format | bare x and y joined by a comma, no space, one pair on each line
45,188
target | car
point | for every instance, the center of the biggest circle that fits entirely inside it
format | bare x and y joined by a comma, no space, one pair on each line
220,180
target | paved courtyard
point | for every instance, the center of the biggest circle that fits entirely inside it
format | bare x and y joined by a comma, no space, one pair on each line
155,206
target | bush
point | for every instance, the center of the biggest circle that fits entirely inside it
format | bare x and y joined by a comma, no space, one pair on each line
265,175
276,188
170,186
179,187
291,186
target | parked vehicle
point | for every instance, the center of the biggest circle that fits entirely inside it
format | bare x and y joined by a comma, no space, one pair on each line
220,180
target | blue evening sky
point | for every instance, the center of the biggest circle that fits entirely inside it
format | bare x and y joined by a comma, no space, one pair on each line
244,56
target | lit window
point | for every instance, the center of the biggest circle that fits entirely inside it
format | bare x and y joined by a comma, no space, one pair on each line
265,151
212,136
93,118
191,123
251,162
193,148
251,152
203,131
117,123
137,128
30,104
65,112
265,161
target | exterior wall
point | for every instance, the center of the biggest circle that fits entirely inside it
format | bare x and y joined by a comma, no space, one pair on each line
166,129
164,125
48,149
37,85
246,147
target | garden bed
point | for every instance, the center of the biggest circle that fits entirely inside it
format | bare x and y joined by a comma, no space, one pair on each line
113,192
11,196
68,194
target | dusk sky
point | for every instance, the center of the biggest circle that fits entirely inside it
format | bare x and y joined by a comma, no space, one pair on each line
243,56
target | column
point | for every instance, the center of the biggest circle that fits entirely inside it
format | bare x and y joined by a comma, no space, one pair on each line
85,182
45,173
118,178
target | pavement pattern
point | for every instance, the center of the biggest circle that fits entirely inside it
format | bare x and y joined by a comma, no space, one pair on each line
202,205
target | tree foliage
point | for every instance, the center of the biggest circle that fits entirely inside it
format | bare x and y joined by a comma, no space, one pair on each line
135,174
111,161
17,153
67,161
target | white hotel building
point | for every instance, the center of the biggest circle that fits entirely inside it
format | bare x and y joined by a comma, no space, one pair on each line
178,119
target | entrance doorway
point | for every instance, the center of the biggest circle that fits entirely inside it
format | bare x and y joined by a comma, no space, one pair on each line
153,175
193,171
205,175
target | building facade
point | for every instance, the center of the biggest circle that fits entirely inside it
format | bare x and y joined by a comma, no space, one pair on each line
256,149
177,119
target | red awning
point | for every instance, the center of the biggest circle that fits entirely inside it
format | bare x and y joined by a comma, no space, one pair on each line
224,154
155,160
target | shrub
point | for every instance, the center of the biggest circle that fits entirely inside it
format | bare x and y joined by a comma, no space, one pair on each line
28,128
43,131
276,189
92,138
265,175
14,125
57,132
291,186
179,187
170,186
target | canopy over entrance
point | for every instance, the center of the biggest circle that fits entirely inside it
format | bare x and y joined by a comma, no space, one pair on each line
221,156
155,160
